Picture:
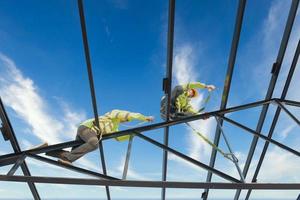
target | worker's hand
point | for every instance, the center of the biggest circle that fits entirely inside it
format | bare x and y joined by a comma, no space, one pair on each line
150,119
210,87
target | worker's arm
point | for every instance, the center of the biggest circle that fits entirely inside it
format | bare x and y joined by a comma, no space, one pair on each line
138,116
194,85
125,116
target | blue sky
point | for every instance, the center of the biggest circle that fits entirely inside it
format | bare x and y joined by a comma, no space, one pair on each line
46,93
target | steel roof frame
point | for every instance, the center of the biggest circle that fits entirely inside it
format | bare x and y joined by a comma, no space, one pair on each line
18,158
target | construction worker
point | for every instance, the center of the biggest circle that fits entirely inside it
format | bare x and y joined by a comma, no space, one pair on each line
89,133
180,100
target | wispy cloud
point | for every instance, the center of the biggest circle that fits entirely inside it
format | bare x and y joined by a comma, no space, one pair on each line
131,173
22,95
185,72
271,34
107,29
281,165
120,4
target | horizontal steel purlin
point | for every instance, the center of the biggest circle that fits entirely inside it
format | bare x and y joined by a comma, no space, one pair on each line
3,158
152,184
6,157
140,129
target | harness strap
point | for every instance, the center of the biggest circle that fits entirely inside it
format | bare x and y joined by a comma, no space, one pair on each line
229,156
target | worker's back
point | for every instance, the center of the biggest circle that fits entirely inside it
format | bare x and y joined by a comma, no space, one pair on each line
178,90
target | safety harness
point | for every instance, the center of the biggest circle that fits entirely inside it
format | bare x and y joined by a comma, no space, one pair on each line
229,156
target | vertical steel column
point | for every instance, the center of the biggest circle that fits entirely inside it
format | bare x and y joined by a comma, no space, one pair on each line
16,147
276,116
16,165
227,84
91,82
126,164
167,88
275,71
234,159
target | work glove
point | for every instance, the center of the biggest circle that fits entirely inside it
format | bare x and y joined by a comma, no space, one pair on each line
210,87
150,119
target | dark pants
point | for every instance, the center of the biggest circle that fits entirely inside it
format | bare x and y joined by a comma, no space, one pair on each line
176,115
90,143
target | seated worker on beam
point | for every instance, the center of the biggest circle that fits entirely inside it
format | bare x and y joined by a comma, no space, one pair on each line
181,96
87,132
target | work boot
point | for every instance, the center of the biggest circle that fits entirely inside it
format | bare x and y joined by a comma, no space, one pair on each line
65,162
45,144
56,153
63,159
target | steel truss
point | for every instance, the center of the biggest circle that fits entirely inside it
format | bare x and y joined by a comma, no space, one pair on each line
18,158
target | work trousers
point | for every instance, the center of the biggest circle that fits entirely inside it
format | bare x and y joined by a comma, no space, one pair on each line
90,139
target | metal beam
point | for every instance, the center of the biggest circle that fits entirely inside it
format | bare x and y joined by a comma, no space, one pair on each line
277,113
227,84
168,89
189,159
91,83
288,112
187,119
16,165
5,158
290,102
234,159
152,184
15,145
297,153
71,167
128,153
275,71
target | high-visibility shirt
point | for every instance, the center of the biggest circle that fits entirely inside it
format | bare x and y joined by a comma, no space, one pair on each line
182,100
110,122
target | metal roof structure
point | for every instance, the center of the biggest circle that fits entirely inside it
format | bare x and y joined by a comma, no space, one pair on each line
18,158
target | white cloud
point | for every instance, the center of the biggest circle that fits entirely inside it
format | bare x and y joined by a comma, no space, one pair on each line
71,120
3,152
184,63
286,131
131,173
26,144
199,149
21,94
179,160
120,4
84,162
185,72
278,163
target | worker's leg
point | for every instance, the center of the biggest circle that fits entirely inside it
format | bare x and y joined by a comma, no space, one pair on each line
91,143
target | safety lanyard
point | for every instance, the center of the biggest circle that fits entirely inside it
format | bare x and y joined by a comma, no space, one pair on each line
229,156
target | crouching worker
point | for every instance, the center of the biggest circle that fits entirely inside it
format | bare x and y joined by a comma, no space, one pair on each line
181,96
87,132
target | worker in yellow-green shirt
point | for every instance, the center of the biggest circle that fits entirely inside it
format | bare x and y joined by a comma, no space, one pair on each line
87,132
180,100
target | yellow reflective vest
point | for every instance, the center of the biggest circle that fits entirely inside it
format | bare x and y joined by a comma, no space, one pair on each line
182,101
109,123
